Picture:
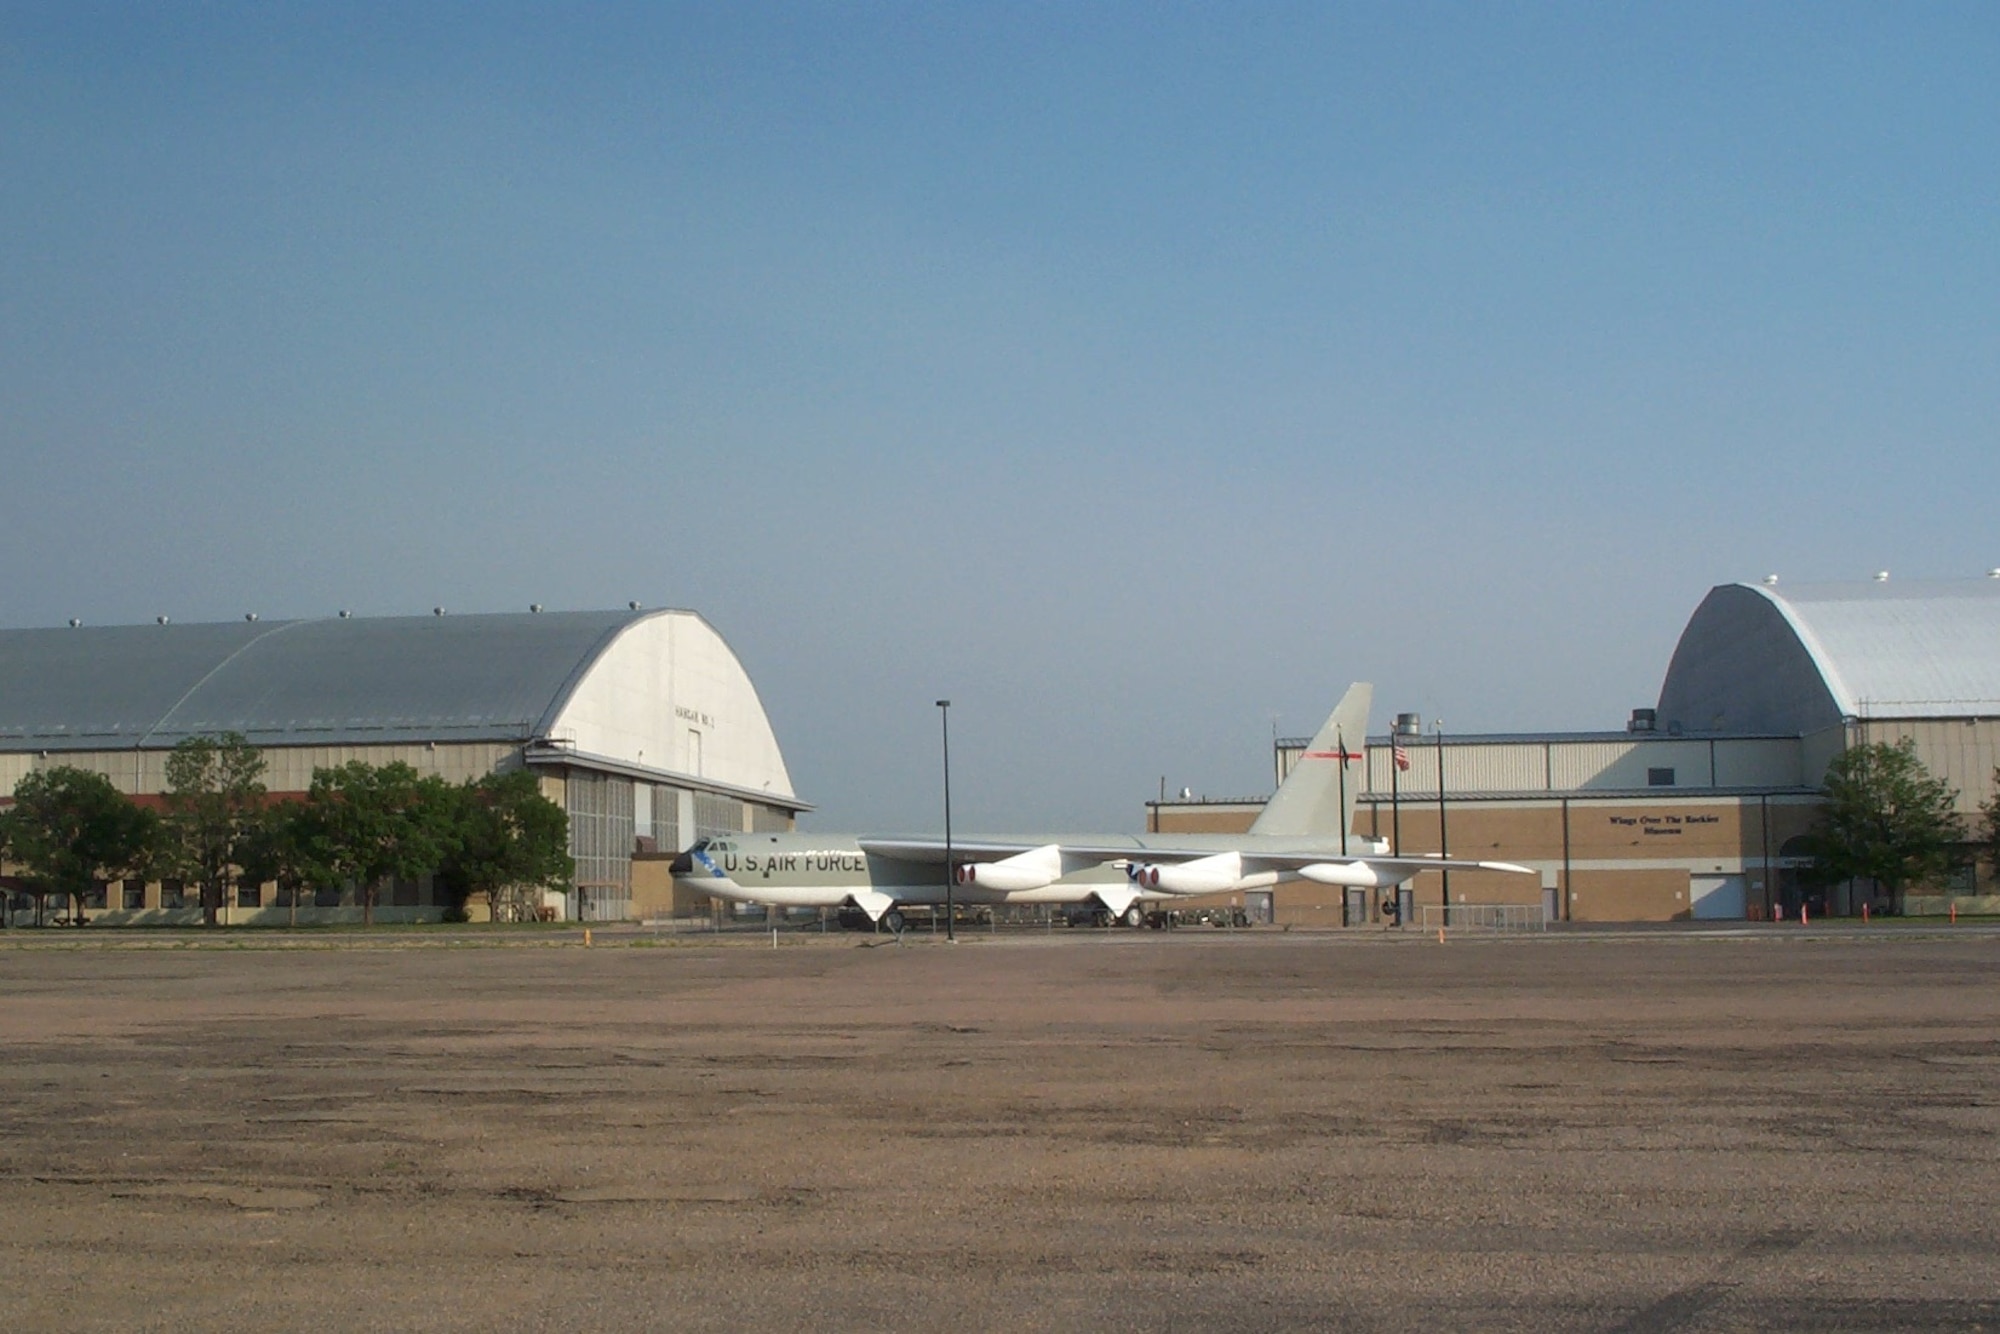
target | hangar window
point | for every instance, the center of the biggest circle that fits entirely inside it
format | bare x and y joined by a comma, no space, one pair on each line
717,814
1659,778
173,894
135,894
666,817
249,896
600,829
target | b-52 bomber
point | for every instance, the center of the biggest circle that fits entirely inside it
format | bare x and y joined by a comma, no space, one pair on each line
1302,835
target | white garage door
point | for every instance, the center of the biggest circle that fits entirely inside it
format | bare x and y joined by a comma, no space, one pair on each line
1716,897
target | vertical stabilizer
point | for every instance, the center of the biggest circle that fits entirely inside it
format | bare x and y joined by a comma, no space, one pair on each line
1317,797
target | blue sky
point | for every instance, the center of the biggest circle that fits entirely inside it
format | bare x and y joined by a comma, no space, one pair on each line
1134,375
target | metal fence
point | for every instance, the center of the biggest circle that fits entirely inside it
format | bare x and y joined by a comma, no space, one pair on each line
1484,917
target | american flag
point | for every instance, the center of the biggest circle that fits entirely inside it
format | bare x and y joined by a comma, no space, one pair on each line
1402,758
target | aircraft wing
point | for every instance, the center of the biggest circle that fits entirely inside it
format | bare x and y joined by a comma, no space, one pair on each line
1100,851
1402,867
927,851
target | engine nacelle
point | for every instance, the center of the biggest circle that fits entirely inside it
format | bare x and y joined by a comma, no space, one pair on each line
1204,875
1033,869
1361,874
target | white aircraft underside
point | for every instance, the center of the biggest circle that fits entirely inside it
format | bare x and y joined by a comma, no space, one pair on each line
1297,838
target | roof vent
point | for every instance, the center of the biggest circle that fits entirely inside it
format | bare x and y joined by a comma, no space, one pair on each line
160,620
74,622
1993,574
345,613
1881,576
437,611
1643,720
634,606
1770,581
1409,724
534,606
249,615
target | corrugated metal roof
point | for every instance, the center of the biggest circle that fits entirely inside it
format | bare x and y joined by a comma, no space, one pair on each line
1803,657
364,680
1899,650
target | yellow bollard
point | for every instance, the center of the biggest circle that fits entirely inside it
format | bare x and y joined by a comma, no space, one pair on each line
586,937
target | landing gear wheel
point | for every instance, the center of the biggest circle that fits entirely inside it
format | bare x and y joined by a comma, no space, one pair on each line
1134,917
893,922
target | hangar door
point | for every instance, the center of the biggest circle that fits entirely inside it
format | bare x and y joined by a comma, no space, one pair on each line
1716,898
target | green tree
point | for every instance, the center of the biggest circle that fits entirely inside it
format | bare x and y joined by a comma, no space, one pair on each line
215,788
1991,810
70,829
1886,819
510,839
368,823
281,846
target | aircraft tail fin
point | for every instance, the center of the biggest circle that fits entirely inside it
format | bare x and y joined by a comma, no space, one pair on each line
1317,797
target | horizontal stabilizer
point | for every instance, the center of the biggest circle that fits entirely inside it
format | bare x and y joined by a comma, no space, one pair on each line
1381,872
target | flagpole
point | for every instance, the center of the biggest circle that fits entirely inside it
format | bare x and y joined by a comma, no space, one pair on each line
1395,797
1406,725
1342,740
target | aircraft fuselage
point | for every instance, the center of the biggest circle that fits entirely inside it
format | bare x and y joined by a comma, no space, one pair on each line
827,870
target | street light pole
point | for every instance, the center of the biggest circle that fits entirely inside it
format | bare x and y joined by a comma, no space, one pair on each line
1444,839
950,862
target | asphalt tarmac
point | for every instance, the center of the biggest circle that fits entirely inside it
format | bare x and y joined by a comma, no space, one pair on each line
1077,1130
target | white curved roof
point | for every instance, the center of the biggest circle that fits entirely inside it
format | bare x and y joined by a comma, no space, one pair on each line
666,693
1796,658
633,687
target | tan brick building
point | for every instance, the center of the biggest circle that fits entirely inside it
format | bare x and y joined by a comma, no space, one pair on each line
1696,809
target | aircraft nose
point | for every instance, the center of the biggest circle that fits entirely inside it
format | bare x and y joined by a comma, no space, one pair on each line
683,864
